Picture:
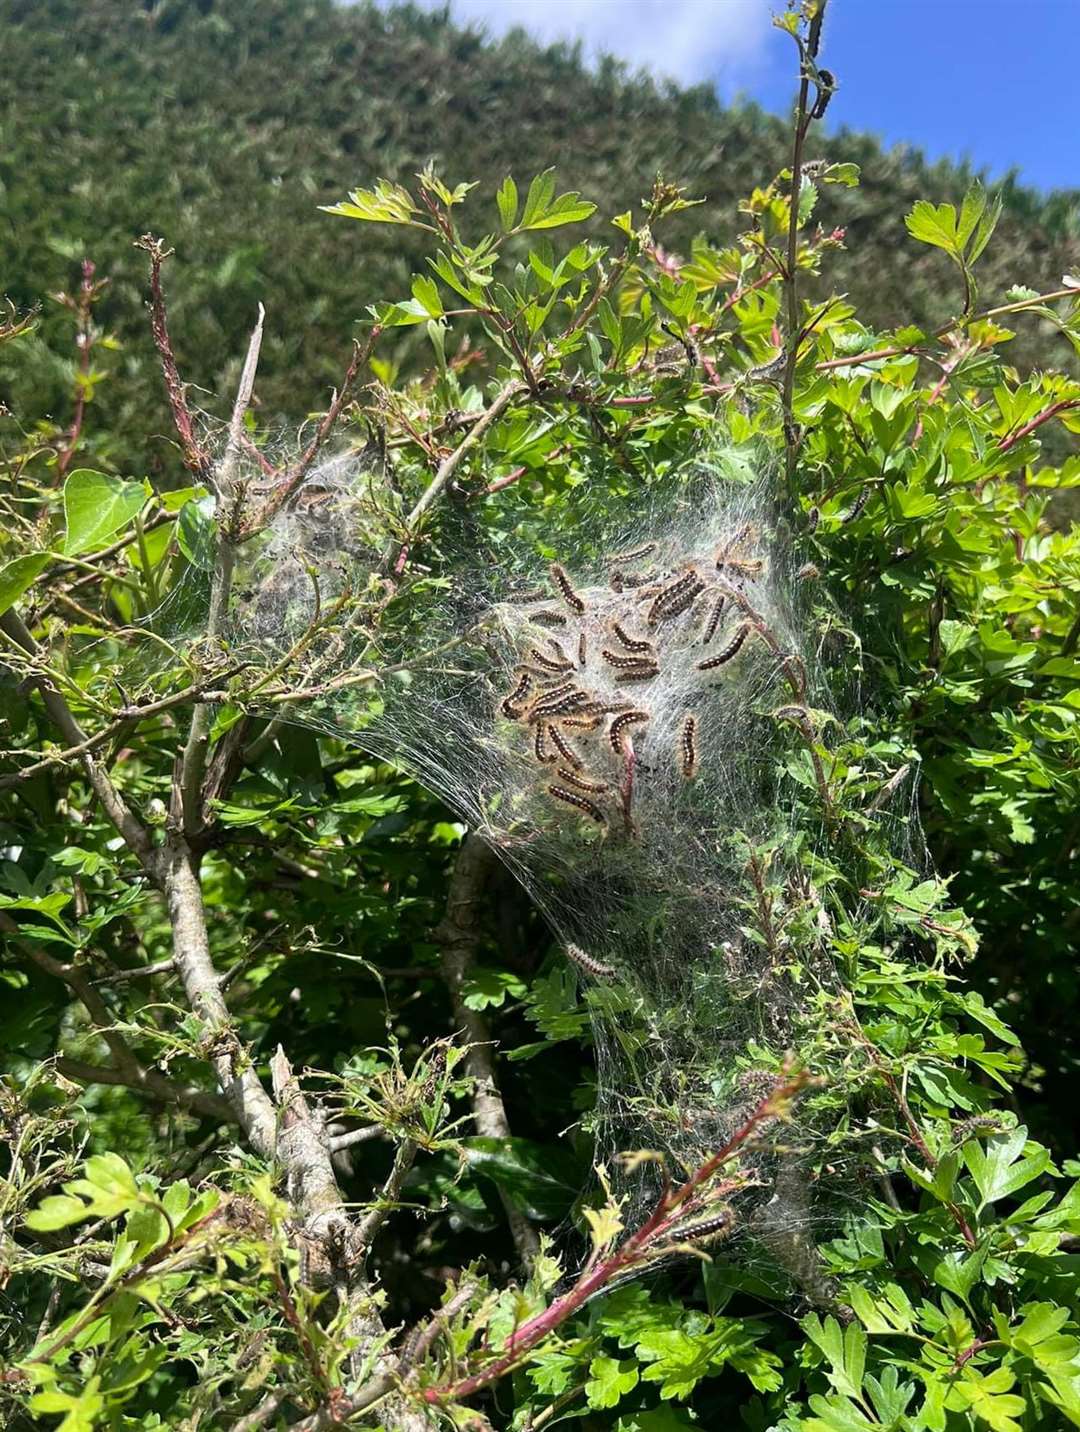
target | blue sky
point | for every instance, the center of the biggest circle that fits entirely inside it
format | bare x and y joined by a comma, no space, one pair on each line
996,81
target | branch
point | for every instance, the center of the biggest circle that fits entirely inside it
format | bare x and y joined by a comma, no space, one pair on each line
296,474
153,1085
457,937
229,515
450,464
391,1192
195,459
135,834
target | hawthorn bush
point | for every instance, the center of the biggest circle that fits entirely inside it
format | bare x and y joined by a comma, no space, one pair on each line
292,1060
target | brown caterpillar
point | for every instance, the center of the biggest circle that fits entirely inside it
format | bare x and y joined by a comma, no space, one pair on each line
746,567
524,598
549,619
581,803
626,663
619,725
620,557
713,622
558,706
549,663
732,649
676,607
639,673
581,650
631,643
671,594
551,694
509,704
630,579
591,966
562,581
580,723
539,748
857,506
707,1227
688,747
565,750
591,788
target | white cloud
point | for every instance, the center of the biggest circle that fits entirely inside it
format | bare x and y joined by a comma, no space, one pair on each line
688,40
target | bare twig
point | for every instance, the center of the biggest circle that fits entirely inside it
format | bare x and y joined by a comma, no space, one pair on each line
457,936
195,459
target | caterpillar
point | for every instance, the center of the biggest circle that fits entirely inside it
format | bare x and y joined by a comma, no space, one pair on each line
509,703
562,581
581,650
627,663
591,788
713,622
732,649
619,725
639,673
857,506
549,663
725,552
688,747
524,598
591,966
707,1227
620,557
580,723
548,619
539,748
558,706
631,579
744,566
631,643
671,594
581,803
565,750
676,607
553,693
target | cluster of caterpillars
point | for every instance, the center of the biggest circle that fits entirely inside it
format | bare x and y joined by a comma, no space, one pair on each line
581,686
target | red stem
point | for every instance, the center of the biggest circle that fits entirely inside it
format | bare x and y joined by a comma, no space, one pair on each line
660,1222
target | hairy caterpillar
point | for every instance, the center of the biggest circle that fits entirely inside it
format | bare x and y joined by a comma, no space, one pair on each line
713,622
670,595
539,748
688,747
732,649
627,663
706,1227
631,643
619,580
581,803
524,598
679,605
620,557
591,788
639,673
510,703
581,650
565,750
857,506
551,694
549,663
562,581
581,722
619,725
591,966
549,619
560,705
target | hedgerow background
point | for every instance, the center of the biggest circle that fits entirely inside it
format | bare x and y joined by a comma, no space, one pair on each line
207,1271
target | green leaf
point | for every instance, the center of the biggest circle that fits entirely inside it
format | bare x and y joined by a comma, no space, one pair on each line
426,292
507,200
19,575
385,204
609,1381
934,224
95,507
1000,1168
488,988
